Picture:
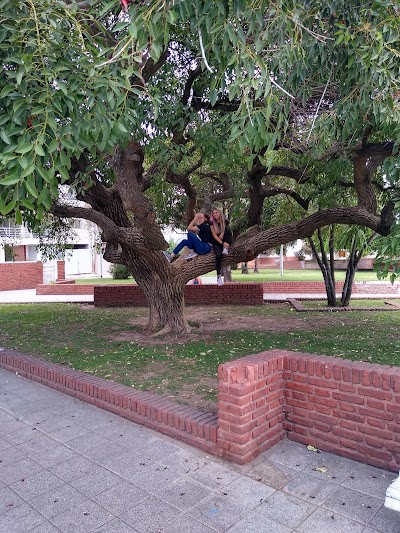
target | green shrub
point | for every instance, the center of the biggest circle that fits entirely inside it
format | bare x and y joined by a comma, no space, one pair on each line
120,272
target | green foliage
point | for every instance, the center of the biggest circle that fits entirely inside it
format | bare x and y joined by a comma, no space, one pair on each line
387,261
73,82
119,271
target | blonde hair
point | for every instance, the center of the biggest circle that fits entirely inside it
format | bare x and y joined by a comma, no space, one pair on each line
221,218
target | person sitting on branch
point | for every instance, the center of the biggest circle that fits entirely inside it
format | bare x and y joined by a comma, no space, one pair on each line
198,238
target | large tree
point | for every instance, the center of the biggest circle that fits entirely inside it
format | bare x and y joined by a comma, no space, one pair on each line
149,109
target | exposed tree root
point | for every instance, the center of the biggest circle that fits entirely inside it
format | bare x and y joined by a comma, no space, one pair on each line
168,329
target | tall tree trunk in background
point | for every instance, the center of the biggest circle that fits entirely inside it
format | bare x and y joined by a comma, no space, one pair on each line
352,267
245,268
326,265
255,265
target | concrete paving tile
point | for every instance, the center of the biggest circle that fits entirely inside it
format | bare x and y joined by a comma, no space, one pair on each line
186,524
51,422
247,492
36,446
324,521
126,465
22,518
67,433
10,455
353,504
153,478
218,512
151,515
371,480
291,454
37,484
337,468
87,442
121,498
9,500
57,501
371,530
258,524
214,475
58,454
5,417
286,509
184,493
4,444
95,482
310,488
185,461
20,469
44,528
12,426
386,521
158,449
104,452
83,518
115,526
275,475
24,434
76,467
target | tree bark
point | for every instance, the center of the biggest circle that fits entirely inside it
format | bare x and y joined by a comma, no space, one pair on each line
326,270
163,286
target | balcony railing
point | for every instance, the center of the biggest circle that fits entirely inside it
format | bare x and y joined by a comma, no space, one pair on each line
15,233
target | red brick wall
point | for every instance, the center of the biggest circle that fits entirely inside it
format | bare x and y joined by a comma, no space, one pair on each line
63,288
301,287
60,270
345,407
250,406
348,408
230,293
23,275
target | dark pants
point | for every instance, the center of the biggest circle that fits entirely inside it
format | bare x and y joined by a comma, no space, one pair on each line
217,247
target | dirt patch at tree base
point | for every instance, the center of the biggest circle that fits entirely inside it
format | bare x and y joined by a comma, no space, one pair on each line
206,321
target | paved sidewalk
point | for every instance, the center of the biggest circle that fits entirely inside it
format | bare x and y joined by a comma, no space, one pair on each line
30,296
69,467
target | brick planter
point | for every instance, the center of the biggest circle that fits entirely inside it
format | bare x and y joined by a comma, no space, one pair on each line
229,294
348,408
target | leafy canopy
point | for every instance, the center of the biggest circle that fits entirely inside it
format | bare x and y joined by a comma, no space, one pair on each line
76,78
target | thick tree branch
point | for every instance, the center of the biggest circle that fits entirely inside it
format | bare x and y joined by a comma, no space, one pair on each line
101,220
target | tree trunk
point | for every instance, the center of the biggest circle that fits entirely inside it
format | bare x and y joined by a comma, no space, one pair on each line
255,265
352,266
326,271
245,268
226,273
163,288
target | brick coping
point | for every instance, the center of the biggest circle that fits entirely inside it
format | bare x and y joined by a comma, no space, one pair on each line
187,424
345,407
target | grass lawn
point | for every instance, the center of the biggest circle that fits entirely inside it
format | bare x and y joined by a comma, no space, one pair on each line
106,342
263,275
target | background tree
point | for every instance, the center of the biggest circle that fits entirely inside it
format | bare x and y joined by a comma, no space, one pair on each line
148,111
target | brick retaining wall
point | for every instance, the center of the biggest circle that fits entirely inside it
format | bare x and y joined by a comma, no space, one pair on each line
345,407
229,294
20,275
306,287
64,287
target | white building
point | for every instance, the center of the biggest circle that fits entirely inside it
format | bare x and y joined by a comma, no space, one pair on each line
17,243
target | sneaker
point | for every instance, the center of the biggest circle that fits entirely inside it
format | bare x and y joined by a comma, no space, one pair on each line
190,256
225,251
167,256
220,281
